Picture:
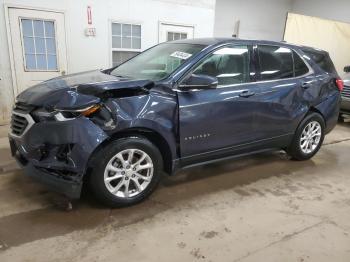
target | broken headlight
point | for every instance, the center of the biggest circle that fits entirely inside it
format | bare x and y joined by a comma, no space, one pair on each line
64,115
98,114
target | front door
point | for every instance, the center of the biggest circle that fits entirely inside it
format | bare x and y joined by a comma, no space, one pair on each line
171,32
38,46
219,119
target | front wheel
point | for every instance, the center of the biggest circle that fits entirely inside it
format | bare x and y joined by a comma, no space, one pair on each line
308,137
126,171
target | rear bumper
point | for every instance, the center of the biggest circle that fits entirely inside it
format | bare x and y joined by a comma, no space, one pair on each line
56,154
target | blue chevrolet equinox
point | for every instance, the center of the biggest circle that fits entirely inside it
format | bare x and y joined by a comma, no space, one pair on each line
176,105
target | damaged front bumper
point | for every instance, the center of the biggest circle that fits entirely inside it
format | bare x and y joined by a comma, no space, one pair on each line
57,153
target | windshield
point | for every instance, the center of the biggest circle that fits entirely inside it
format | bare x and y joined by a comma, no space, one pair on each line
158,62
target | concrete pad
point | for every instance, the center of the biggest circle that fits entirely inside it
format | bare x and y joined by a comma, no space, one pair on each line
322,242
340,133
4,130
7,163
18,192
257,208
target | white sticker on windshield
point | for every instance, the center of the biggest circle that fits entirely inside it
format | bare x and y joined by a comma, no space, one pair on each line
181,55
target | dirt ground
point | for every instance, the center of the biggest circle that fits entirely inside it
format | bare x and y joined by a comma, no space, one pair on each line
257,208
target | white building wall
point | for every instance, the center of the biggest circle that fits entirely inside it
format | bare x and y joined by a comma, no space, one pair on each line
258,19
86,53
335,10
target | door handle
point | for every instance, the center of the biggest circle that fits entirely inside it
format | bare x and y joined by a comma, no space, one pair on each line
305,85
246,93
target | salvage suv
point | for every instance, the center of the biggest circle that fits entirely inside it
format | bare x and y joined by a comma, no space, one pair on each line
177,105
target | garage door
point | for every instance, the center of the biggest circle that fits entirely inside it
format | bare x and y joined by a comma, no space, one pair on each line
329,35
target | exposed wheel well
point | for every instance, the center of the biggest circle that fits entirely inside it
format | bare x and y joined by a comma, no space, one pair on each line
315,110
157,139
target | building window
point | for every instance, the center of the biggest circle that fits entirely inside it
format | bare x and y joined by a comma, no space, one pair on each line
171,36
39,45
126,42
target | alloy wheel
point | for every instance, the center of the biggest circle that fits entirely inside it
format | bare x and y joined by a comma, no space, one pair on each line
310,137
128,173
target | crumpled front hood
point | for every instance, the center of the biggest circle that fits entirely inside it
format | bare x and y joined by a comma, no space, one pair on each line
76,90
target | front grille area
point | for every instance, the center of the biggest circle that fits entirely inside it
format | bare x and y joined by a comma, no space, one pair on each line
18,124
21,119
346,92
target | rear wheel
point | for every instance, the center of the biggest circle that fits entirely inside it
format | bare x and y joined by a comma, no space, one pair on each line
308,137
126,171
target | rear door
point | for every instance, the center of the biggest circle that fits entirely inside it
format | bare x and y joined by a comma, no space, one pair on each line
283,78
221,118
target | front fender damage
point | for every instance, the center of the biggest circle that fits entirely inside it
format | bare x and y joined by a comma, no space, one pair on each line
154,112
57,152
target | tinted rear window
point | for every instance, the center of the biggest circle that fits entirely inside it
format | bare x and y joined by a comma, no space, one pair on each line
323,60
275,62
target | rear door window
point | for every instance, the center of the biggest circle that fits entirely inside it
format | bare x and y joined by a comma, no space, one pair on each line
275,62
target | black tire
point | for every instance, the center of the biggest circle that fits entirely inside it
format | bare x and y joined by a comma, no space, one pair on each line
97,183
295,150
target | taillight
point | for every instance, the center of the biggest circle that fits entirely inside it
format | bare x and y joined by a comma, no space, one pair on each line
340,84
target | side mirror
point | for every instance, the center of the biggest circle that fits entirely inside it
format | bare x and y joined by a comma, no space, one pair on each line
347,69
199,82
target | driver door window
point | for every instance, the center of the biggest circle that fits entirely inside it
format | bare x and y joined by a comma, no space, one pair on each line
230,65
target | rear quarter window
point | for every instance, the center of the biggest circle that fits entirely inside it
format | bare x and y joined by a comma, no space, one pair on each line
323,60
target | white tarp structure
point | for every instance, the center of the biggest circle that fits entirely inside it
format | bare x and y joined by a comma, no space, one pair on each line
329,35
